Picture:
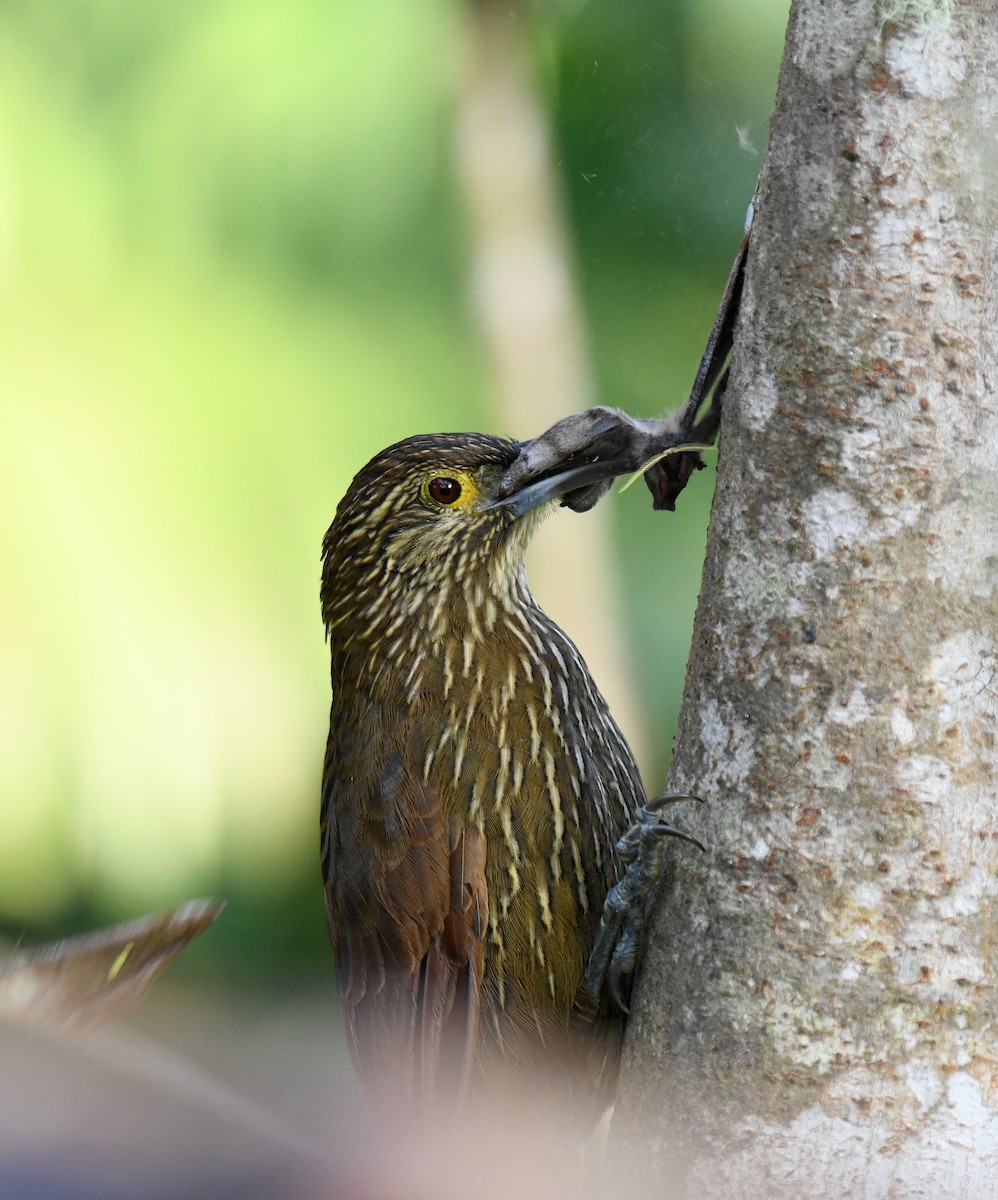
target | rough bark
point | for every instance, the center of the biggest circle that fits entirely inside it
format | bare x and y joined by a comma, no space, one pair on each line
818,1012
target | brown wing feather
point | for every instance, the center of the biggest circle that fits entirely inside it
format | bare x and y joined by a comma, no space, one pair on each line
407,908
450,1028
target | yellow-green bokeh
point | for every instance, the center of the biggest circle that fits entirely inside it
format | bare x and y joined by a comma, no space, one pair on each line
232,266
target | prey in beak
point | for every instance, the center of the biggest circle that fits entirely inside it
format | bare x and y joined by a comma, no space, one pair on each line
585,478
578,457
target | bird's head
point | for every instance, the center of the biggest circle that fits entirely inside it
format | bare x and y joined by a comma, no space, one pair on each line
425,515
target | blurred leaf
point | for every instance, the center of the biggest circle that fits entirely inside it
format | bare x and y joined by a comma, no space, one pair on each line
82,981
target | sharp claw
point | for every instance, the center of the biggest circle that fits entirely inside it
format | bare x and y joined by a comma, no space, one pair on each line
672,798
613,985
663,829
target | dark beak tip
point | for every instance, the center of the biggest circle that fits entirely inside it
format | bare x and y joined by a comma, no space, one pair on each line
521,499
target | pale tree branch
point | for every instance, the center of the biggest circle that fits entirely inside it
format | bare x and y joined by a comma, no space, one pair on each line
524,296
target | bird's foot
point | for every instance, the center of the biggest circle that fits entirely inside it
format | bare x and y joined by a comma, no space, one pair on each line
618,940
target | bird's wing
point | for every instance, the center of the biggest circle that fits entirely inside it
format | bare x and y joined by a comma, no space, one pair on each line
408,909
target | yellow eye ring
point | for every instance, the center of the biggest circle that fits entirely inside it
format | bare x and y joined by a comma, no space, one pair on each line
450,489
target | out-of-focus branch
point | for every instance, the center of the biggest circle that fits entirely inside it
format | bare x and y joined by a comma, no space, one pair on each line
524,296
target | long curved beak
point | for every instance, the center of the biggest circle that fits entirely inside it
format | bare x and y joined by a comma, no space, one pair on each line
552,488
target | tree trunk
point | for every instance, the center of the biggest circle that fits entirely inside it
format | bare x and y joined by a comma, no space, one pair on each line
818,1011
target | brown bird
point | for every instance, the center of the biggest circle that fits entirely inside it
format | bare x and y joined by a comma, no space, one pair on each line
474,792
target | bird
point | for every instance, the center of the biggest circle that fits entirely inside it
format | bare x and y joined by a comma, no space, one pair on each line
480,807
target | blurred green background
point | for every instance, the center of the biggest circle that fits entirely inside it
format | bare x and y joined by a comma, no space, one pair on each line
233,265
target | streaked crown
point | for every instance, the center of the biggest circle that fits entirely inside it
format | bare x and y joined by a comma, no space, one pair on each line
419,516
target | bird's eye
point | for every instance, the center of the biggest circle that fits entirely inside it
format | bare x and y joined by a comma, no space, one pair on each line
444,490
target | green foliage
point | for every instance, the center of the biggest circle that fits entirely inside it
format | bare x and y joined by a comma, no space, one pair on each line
232,266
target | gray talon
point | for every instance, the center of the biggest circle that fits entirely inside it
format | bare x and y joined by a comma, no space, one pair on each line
619,937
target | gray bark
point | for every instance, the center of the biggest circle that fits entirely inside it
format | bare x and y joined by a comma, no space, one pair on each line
818,1011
